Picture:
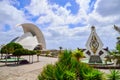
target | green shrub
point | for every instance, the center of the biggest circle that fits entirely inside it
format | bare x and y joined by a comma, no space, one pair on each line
93,75
69,75
68,68
10,48
20,52
47,73
32,52
114,75
65,58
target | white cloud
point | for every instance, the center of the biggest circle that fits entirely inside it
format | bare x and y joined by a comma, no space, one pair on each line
84,4
38,7
108,7
10,15
58,32
8,36
59,18
66,37
54,13
68,4
105,13
104,16
98,20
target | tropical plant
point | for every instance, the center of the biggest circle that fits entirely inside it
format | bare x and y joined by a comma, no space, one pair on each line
47,73
108,58
117,57
60,49
78,54
114,75
69,75
65,58
117,28
68,68
93,75
116,54
118,48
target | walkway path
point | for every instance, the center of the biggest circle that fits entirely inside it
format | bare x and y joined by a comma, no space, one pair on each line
24,72
29,71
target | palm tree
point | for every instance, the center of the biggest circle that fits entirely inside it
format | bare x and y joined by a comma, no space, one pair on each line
107,58
60,49
117,57
117,28
114,55
78,54
117,54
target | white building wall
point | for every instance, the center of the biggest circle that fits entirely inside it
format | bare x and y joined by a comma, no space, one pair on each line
28,42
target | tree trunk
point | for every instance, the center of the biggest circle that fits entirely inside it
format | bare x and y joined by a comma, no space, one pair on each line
15,60
6,60
29,58
18,59
37,58
1,55
78,59
32,58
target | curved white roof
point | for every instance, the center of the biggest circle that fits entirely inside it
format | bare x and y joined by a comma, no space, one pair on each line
35,31
31,38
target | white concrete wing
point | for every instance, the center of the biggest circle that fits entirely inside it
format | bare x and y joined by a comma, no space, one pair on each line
32,37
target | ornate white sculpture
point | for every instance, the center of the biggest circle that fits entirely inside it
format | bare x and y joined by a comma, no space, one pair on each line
94,44
94,48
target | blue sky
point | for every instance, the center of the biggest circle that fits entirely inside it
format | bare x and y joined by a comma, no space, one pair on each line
74,6
64,23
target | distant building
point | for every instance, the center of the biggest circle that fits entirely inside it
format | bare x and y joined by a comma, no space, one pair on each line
32,37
